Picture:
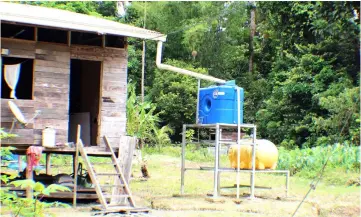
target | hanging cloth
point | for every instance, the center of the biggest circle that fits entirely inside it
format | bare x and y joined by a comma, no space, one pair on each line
12,73
34,152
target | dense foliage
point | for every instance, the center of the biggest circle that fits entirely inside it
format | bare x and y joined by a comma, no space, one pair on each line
143,121
339,156
303,89
25,207
29,207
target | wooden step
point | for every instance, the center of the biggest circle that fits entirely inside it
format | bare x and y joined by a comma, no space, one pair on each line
103,164
107,174
121,209
116,196
119,185
108,186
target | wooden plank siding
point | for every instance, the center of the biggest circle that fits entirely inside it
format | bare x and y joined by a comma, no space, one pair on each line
25,134
19,48
114,89
51,90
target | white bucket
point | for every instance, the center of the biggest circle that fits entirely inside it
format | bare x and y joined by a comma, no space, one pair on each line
49,137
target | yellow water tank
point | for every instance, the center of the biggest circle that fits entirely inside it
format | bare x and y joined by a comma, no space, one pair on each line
266,155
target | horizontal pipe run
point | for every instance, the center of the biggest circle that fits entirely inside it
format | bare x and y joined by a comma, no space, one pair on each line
160,65
235,170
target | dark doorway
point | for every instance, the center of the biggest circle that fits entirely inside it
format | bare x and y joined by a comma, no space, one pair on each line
84,100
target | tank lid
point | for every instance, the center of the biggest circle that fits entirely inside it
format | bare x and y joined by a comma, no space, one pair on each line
230,83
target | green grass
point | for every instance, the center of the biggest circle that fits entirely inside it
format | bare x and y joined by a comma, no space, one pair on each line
343,166
161,192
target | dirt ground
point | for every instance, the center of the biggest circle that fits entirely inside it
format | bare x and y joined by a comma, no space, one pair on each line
161,194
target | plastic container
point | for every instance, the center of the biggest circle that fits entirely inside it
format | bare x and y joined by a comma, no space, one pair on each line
218,104
48,137
266,155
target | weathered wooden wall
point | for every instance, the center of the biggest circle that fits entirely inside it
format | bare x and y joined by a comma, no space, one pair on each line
26,135
51,89
19,49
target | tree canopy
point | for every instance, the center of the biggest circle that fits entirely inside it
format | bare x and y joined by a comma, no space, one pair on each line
304,86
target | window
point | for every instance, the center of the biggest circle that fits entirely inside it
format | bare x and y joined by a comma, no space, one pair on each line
17,31
83,38
24,87
52,35
114,41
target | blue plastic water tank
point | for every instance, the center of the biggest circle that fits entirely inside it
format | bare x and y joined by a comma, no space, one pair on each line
218,104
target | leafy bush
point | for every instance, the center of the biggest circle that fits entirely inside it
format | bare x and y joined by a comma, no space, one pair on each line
311,160
25,207
176,96
5,135
142,121
29,207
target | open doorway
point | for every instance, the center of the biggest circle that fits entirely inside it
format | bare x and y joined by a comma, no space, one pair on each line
84,100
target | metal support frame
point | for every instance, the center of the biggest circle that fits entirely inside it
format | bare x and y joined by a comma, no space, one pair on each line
232,170
218,143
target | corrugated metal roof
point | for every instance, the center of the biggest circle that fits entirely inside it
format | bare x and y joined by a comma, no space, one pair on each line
56,18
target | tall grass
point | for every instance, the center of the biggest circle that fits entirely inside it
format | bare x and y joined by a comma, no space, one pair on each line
311,160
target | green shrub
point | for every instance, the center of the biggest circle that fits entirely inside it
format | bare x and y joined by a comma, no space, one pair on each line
309,160
29,207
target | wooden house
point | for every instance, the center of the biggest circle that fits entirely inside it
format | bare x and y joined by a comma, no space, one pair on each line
73,71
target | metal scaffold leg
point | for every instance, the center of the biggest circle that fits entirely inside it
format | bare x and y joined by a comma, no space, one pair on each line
238,140
253,161
216,163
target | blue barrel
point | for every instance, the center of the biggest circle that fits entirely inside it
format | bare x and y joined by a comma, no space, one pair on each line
218,104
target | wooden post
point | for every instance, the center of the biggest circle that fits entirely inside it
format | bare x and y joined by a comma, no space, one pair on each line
35,33
252,33
103,41
69,38
48,163
143,55
76,165
29,175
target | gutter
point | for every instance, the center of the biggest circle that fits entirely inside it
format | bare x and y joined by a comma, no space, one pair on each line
160,65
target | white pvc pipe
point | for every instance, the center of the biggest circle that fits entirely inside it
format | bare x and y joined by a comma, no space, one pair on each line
160,65
197,115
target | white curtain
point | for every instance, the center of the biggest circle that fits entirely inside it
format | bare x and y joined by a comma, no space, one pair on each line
12,73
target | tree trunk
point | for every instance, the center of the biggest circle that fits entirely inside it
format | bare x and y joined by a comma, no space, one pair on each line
253,31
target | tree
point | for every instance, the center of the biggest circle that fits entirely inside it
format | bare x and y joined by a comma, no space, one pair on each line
308,70
175,96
